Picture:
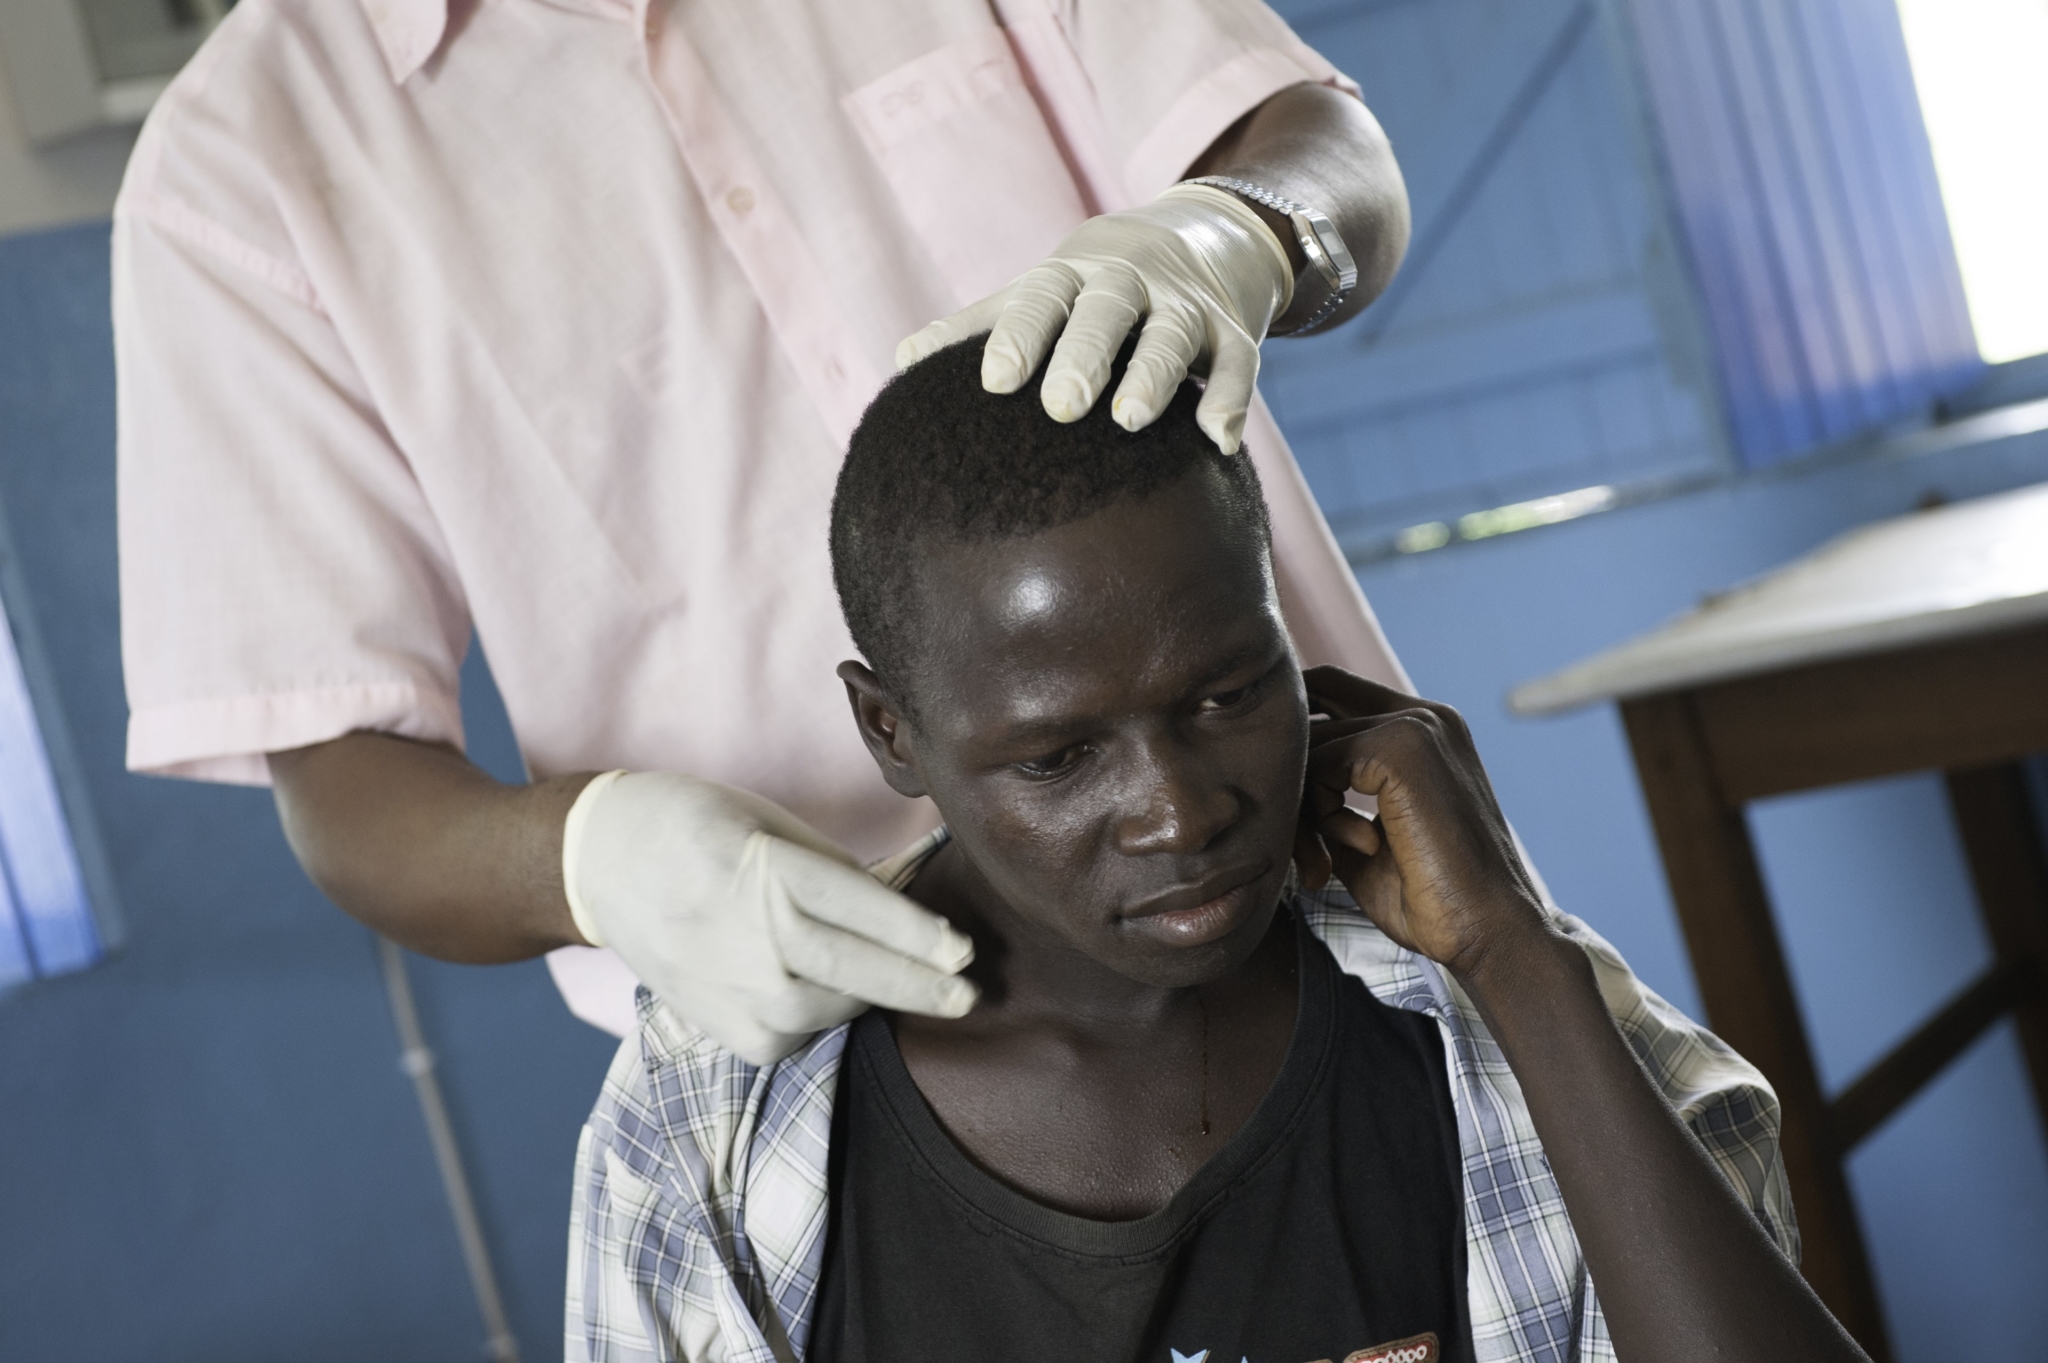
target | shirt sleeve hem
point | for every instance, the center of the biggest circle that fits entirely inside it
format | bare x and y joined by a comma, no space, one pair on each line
226,738
181,222
1215,102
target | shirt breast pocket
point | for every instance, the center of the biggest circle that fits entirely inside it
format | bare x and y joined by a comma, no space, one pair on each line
966,150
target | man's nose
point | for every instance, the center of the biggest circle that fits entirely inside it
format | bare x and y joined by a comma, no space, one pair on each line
1174,802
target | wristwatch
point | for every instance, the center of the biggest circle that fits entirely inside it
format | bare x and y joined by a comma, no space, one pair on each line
1320,242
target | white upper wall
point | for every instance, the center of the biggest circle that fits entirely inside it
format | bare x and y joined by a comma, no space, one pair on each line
69,182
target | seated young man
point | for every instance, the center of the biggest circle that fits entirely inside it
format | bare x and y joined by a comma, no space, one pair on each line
1208,1107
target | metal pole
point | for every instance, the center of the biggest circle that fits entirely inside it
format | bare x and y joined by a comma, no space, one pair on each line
418,1061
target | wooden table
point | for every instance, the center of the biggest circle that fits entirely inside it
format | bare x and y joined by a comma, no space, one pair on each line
1913,644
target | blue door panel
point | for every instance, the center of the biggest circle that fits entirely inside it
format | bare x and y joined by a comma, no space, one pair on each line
1785,145
1441,75
1519,353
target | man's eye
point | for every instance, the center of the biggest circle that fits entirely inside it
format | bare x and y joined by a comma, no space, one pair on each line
1229,700
1053,764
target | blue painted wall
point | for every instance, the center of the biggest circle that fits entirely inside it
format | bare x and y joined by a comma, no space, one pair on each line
1873,899
206,1147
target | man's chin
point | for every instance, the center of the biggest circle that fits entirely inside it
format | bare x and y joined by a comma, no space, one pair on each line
1200,945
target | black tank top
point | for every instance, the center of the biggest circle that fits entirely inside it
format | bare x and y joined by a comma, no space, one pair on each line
1330,1227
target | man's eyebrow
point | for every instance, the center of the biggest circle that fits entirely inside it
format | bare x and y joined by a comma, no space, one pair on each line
1254,651
1028,730
1031,731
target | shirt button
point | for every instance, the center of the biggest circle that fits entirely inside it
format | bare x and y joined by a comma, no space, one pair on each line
740,199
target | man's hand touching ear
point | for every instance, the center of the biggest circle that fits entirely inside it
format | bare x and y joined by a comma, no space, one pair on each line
1438,872
1685,1272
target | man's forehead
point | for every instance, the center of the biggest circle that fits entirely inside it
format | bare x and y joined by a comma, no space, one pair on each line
1029,596
1019,695
1121,565
1041,628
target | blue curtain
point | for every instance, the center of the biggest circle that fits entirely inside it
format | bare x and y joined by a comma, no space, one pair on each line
1798,169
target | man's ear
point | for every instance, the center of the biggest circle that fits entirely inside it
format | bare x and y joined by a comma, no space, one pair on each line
881,728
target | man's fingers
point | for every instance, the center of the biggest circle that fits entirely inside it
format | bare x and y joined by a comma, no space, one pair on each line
1338,747
1351,760
1233,373
1357,871
854,901
1034,310
971,320
1104,313
1346,695
1343,827
1169,344
1326,782
822,954
1323,732
1311,858
1355,844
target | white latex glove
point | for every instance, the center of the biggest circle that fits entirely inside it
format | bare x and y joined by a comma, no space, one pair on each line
1197,264
743,919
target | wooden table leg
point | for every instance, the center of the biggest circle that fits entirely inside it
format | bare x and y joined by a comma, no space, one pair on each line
1740,967
2001,836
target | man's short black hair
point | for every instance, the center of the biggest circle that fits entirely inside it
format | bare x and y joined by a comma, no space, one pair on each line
938,459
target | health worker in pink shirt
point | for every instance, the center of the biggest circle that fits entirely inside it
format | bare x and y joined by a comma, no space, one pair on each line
546,321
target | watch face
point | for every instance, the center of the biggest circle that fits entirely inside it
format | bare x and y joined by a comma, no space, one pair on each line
1318,235
1333,246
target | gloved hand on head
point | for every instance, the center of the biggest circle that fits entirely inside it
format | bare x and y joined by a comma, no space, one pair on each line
744,920
1202,270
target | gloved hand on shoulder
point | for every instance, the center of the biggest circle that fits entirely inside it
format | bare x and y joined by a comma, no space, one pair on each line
743,919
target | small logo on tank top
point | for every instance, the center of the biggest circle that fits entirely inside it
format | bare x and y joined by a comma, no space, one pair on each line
1420,1348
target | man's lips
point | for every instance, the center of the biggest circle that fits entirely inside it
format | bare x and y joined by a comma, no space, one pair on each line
1200,913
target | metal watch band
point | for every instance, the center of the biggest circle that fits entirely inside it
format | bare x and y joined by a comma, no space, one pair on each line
1320,242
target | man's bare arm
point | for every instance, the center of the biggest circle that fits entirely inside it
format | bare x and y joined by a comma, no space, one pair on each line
420,844
1321,147
1685,1272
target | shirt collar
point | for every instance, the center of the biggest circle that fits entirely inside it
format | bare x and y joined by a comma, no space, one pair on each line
409,32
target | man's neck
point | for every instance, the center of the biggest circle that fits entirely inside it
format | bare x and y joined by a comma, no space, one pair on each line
1087,1090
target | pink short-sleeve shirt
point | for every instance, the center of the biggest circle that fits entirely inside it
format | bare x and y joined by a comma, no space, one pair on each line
549,319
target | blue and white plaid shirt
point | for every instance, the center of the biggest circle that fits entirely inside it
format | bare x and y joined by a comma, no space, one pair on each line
698,1227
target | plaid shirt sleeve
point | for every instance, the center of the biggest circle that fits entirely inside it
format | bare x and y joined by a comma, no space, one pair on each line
1720,1096
1531,1297
696,1229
